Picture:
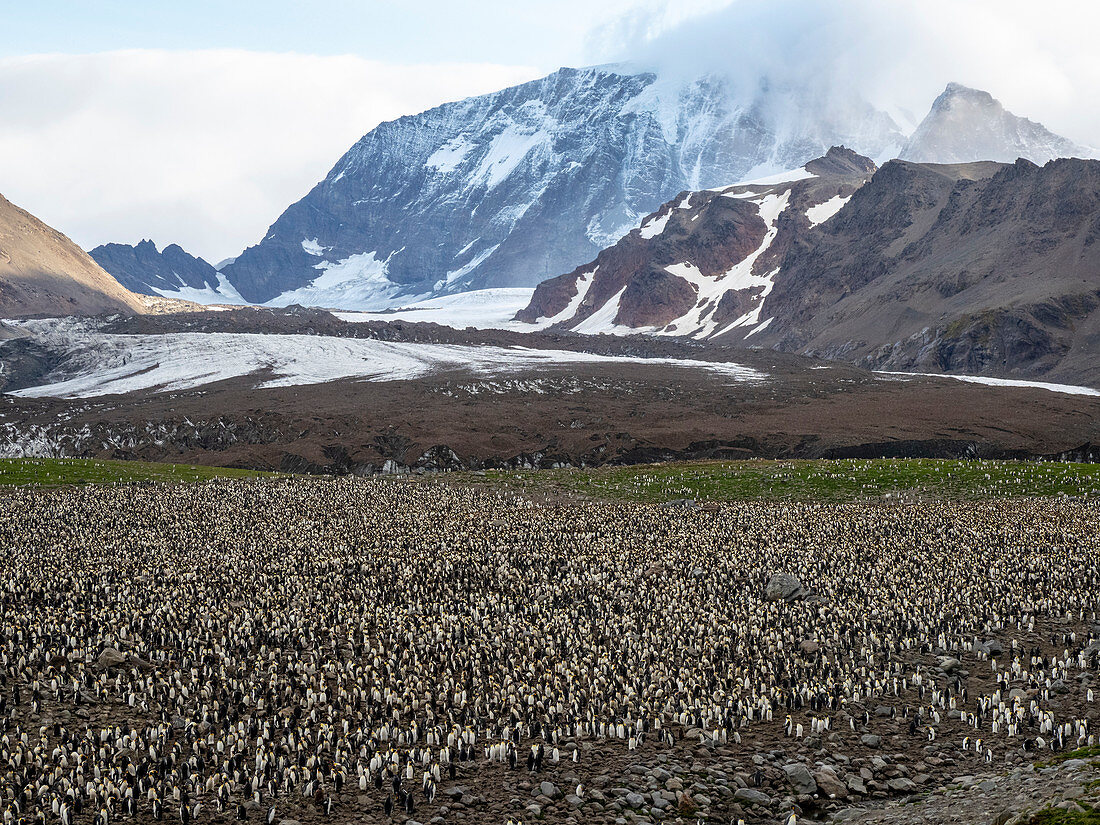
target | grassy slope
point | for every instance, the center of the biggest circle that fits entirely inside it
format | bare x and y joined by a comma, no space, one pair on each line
51,472
848,480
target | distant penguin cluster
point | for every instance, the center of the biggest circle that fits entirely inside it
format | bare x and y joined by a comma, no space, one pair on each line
348,649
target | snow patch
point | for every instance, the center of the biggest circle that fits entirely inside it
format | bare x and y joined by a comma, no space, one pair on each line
312,247
225,293
505,153
1065,389
474,263
655,226
790,176
450,155
823,211
760,327
698,322
603,319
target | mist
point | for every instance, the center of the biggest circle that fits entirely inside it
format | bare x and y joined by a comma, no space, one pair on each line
1039,60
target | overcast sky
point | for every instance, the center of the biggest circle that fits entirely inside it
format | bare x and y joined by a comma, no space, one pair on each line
198,122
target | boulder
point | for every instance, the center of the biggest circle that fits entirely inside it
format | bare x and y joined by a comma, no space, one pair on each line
111,657
549,789
784,587
800,778
830,785
752,795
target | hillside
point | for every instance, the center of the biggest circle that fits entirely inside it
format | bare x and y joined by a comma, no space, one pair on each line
43,273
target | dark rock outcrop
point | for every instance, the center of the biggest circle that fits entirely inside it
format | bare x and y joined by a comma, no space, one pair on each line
143,269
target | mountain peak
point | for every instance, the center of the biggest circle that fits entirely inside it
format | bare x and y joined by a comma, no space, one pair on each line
141,268
840,160
954,89
966,125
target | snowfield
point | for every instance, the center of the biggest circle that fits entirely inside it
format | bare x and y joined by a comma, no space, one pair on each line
97,363
481,309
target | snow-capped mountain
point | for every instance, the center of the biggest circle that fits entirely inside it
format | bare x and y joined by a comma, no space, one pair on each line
171,272
511,188
967,124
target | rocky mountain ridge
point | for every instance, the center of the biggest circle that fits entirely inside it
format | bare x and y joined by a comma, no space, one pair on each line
981,268
171,271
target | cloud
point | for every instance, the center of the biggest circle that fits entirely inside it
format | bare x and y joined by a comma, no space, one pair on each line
1040,61
202,148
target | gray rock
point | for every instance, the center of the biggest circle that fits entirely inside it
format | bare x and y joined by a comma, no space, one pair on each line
871,740
752,795
784,587
800,778
549,789
635,800
111,657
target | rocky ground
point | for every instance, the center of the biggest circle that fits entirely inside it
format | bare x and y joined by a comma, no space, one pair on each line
576,415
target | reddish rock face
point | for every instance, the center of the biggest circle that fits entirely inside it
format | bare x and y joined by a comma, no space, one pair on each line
712,231
981,268
653,297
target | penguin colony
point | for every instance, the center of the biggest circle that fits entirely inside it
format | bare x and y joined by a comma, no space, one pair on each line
390,651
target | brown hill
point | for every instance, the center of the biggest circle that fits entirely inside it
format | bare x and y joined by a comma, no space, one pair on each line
43,273
983,268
